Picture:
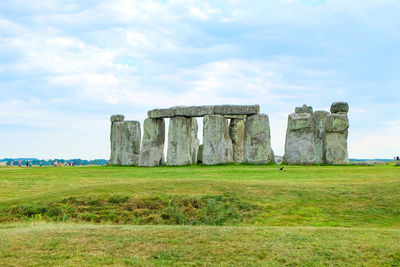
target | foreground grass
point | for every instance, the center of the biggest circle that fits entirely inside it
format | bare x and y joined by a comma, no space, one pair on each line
96,245
197,215
348,196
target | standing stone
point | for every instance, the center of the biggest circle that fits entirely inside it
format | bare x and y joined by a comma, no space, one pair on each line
257,142
200,154
152,151
236,133
195,142
299,145
182,141
335,139
125,141
319,119
217,144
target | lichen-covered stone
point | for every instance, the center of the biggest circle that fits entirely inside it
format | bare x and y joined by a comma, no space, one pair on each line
257,144
182,141
319,119
217,147
152,150
236,133
194,111
299,145
304,109
335,139
339,107
237,109
161,113
125,143
118,117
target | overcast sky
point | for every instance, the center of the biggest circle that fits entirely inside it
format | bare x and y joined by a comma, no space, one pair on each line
66,66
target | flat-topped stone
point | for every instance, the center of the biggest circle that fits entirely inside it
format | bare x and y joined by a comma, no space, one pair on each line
304,109
194,111
299,121
228,111
339,107
117,117
237,109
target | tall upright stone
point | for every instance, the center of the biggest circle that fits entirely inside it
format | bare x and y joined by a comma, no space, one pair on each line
217,147
299,145
152,150
319,120
335,139
182,141
236,133
257,141
125,141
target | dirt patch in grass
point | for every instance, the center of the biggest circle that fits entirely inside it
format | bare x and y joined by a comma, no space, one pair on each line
226,209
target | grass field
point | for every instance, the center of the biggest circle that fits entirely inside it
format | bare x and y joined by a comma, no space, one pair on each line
200,215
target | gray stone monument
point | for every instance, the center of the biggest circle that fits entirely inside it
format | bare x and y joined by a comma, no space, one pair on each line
152,150
182,141
257,144
217,146
236,133
319,119
335,138
125,141
299,145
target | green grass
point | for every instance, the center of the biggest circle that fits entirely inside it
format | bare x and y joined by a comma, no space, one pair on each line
226,215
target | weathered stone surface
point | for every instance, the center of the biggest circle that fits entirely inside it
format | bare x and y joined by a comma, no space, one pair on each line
236,133
257,144
152,150
299,145
195,111
237,109
161,113
337,123
338,107
183,144
118,117
125,143
195,143
200,154
335,139
217,144
319,120
304,109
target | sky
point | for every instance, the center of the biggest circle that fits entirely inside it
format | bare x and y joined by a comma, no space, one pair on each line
66,66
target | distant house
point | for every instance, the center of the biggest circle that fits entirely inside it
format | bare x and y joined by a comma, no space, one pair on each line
3,163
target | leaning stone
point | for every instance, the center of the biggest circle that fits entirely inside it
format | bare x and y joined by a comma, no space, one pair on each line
257,142
304,109
118,117
338,107
182,141
237,109
161,113
299,145
152,150
236,132
217,144
335,139
125,143
195,111
319,120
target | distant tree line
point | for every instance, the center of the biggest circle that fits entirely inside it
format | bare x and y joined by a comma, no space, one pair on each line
34,161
